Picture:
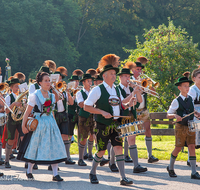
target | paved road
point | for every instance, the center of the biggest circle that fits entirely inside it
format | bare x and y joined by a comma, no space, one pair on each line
76,177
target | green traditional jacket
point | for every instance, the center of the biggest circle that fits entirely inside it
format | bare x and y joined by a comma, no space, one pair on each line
82,112
126,112
103,104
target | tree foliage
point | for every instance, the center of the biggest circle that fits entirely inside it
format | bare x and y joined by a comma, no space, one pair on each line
171,52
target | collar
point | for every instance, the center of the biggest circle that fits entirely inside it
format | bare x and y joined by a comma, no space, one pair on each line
183,97
123,87
107,86
85,90
15,96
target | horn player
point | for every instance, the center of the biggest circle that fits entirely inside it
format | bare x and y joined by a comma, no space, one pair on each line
61,114
12,125
142,112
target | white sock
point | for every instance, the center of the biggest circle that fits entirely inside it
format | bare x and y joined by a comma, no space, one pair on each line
55,169
30,168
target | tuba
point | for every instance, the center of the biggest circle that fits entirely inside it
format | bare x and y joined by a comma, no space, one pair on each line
17,113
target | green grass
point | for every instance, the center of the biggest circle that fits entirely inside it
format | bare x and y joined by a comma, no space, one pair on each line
162,147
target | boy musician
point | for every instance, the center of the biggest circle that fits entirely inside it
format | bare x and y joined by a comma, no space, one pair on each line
11,124
180,107
85,120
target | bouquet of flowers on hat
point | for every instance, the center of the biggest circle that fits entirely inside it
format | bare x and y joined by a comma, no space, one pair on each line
47,107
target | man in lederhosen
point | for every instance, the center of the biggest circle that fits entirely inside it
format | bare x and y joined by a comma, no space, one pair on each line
125,90
143,114
107,99
85,119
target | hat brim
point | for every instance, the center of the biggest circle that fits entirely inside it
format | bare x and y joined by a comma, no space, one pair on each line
125,73
13,83
86,79
113,68
178,83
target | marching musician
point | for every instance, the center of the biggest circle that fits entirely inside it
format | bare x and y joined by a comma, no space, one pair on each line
1,111
61,114
45,144
85,119
32,89
143,113
107,104
11,124
97,81
1,129
73,109
182,106
126,90
194,92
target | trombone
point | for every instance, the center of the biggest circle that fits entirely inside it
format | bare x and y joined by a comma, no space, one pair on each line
143,84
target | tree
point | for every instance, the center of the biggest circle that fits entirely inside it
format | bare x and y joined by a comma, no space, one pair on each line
171,52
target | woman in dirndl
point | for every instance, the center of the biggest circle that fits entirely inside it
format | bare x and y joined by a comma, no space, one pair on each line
45,144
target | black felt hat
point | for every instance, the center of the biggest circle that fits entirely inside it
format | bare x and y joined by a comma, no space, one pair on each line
182,80
107,68
74,77
138,64
98,78
86,76
14,81
125,71
44,69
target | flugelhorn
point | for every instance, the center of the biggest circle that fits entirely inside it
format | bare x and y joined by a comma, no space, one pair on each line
152,82
58,85
144,89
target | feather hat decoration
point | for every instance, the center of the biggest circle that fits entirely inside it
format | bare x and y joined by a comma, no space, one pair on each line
51,64
130,65
62,70
109,59
92,72
21,76
186,74
142,60
78,72
11,77
98,70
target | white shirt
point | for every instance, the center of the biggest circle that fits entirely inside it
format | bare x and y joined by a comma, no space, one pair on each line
95,94
32,88
192,93
8,99
34,100
60,105
126,89
79,97
174,105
